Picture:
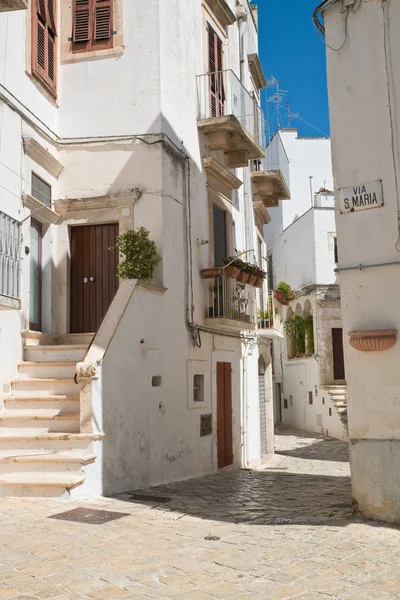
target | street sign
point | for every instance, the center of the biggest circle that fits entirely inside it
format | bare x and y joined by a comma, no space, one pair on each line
361,197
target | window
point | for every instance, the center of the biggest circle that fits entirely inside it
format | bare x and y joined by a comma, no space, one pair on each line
92,25
44,35
336,250
198,388
215,69
41,190
270,270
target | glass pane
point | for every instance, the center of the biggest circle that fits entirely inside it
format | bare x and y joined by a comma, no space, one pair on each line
34,303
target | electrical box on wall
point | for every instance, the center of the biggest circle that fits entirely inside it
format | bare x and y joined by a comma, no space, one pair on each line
205,425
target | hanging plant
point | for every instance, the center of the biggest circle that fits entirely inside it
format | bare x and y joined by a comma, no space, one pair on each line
141,257
284,293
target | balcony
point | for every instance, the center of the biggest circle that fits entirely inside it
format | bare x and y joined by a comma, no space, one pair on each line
231,304
8,5
271,175
269,321
230,118
10,262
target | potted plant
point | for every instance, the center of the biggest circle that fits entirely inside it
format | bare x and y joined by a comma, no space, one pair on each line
233,267
261,275
284,293
141,257
263,319
244,276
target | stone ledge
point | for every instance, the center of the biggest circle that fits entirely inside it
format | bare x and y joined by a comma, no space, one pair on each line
7,303
42,157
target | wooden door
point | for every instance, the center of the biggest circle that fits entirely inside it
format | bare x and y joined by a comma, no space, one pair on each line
224,414
94,279
35,267
338,356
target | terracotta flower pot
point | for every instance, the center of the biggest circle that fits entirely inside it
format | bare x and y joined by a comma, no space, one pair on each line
244,277
259,282
253,280
373,341
211,273
280,296
233,272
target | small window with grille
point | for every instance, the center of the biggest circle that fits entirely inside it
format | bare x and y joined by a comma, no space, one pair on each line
41,190
198,388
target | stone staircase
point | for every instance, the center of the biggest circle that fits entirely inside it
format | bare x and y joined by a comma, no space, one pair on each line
42,452
339,399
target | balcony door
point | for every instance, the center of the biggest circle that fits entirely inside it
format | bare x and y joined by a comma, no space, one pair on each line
216,74
338,354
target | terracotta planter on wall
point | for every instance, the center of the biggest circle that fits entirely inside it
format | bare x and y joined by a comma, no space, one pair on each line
253,279
259,282
373,341
211,273
244,277
233,272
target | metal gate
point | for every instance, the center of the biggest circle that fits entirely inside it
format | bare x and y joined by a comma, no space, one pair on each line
263,412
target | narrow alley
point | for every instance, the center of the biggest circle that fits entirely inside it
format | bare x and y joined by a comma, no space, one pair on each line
283,531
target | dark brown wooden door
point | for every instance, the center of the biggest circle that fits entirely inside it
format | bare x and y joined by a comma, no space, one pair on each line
224,414
94,279
338,356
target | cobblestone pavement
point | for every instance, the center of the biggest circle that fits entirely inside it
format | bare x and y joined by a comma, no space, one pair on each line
283,531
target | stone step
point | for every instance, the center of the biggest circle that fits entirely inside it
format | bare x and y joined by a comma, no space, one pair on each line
36,338
50,437
61,403
38,415
46,369
45,386
56,352
46,456
31,480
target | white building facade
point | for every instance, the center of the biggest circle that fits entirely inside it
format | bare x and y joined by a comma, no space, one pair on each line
309,377
117,116
364,88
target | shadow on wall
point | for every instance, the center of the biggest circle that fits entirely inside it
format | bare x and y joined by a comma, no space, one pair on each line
143,444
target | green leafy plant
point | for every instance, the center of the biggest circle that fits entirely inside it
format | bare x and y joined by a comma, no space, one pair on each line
296,328
286,290
309,333
141,257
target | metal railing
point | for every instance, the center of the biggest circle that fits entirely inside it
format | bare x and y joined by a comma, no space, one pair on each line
276,159
10,256
268,316
230,299
221,94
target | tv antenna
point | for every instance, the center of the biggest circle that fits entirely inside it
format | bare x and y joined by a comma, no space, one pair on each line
276,98
290,115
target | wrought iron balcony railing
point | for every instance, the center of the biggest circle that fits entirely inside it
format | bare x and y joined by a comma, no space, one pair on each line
230,299
221,94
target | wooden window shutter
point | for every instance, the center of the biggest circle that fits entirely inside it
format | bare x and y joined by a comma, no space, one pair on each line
44,50
215,69
92,25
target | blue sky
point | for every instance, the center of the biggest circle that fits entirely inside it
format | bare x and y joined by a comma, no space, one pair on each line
292,51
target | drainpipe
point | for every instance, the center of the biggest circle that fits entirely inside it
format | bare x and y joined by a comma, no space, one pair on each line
244,408
311,191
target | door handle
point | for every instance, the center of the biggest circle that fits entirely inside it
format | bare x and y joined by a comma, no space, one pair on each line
85,280
92,279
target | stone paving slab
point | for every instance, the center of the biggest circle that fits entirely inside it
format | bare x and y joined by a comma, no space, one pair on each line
285,532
